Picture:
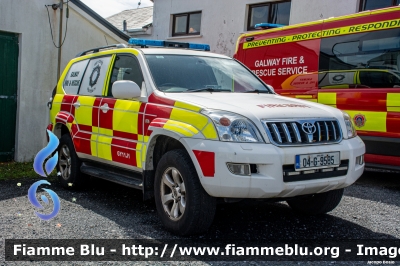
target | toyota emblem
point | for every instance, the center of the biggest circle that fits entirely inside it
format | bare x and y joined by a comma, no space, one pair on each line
308,128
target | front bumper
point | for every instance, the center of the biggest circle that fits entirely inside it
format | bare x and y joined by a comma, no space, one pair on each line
268,181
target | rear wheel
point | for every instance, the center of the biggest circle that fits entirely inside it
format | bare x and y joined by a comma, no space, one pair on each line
69,165
317,204
183,205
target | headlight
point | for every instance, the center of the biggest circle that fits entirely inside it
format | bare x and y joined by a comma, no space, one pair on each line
351,131
233,127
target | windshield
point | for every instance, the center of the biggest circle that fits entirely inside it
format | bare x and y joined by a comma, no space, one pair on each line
183,73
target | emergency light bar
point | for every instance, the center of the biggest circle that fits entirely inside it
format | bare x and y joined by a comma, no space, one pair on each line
157,43
268,25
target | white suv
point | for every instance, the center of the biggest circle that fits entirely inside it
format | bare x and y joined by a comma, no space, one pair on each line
187,127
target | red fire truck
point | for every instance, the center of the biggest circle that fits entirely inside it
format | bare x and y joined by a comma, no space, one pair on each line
350,62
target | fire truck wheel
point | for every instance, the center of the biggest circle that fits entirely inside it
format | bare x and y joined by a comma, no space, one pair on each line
69,173
183,205
318,203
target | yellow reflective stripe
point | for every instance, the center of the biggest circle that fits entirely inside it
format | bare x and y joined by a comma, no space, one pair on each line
181,128
106,82
84,111
374,121
104,147
328,98
209,131
187,106
192,118
393,102
93,144
365,27
144,151
138,155
182,125
130,113
105,131
303,96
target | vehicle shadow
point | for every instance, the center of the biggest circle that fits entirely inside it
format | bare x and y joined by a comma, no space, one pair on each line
245,220
381,183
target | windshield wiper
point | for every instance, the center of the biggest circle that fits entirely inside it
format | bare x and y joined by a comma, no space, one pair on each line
256,91
207,89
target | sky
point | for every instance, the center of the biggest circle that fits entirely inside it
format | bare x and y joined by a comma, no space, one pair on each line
106,8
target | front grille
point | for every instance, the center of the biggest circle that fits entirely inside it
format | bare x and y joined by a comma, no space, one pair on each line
292,133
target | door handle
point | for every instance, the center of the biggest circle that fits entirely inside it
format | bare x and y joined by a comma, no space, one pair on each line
77,104
104,108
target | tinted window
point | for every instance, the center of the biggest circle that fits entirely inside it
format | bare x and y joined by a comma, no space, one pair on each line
361,60
95,76
74,77
186,24
125,68
275,12
179,73
375,4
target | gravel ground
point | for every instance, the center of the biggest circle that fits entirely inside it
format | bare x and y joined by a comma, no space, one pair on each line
369,210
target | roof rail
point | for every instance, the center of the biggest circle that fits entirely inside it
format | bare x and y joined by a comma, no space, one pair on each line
96,50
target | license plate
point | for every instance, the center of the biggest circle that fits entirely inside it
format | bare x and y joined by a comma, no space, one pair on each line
317,160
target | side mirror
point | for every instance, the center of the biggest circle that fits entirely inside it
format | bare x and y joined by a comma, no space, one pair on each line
125,89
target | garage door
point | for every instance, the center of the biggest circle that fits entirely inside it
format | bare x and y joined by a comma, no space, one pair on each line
8,94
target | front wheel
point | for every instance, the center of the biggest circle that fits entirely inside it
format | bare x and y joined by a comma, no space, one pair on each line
317,204
183,205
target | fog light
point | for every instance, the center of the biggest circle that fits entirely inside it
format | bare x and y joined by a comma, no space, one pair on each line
360,160
239,168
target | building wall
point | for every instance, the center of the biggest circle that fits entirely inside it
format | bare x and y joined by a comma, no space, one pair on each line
223,21
310,10
38,61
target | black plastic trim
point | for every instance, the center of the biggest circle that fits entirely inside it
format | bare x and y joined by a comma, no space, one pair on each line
382,146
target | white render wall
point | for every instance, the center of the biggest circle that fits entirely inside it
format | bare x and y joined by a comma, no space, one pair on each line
223,21
38,61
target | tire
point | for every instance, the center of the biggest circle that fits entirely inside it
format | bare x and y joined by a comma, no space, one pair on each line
69,165
195,209
318,203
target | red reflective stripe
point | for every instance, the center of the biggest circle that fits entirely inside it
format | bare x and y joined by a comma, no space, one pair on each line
382,159
206,160
123,155
393,123
154,111
106,120
83,145
125,135
95,112
368,99
141,118
123,143
66,103
85,128
160,100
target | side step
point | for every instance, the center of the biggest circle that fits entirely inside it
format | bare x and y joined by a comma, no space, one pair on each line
126,178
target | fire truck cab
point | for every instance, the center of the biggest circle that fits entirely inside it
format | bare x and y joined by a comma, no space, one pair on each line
350,62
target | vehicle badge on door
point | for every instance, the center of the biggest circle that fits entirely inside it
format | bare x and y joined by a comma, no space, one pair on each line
94,77
359,120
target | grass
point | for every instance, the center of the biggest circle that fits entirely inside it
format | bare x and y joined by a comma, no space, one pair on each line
14,170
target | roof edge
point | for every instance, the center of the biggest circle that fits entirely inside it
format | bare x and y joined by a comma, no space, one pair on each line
100,19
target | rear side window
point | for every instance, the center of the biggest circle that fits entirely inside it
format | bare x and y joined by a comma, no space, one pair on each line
95,76
367,60
74,77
